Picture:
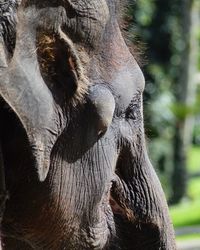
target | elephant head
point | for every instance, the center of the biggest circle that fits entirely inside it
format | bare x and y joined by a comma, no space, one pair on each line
72,136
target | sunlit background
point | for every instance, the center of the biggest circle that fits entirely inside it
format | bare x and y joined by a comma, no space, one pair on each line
167,37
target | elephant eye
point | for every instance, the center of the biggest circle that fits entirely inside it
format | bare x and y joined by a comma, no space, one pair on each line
133,111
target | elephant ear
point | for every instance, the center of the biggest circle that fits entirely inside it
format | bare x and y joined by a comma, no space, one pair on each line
23,89
138,202
26,84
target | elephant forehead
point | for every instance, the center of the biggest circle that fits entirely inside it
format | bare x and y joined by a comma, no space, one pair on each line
127,84
84,21
88,20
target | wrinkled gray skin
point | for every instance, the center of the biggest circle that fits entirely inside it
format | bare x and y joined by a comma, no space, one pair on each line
76,165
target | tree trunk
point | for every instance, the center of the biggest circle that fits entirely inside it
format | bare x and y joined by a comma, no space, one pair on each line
185,94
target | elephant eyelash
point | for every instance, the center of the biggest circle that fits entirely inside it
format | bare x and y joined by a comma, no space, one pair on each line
133,110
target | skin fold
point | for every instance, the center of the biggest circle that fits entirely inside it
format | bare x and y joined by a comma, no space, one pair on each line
71,133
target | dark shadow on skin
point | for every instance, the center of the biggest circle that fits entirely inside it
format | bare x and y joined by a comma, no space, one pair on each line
139,236
14,244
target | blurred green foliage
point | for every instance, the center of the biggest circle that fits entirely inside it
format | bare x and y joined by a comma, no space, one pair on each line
188,237
186,214
181,110
193,160
194,189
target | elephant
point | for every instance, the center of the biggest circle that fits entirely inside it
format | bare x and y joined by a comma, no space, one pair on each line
75,172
